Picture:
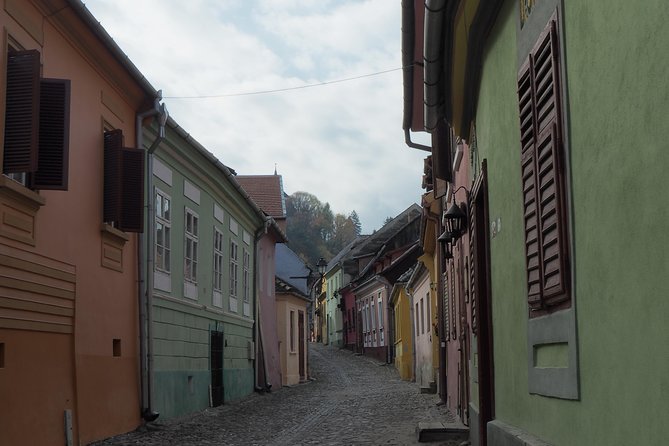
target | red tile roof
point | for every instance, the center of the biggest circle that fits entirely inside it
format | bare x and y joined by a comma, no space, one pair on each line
266,191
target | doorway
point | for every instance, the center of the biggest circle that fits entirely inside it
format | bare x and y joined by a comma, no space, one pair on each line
216,355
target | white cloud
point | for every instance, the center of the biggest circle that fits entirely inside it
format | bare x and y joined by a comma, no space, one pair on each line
342,142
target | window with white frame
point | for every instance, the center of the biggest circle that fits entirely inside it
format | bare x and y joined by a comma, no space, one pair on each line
191,235
234,268
246,275
163,223
218,260
380,308
422,316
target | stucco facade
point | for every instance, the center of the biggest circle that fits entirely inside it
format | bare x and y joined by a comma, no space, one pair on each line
204,268
562,333
68,282
292,331
403,342
423,314
606,106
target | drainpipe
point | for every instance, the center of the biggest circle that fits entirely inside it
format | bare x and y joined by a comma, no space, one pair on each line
145,253
257,333
413,329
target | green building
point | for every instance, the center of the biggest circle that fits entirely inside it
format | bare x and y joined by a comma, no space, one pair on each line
203,230
563,105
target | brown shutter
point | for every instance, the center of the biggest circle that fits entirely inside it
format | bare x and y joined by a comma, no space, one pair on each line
132,200
113,145
546,248
22,111
473,270
552,219
545,82
54,130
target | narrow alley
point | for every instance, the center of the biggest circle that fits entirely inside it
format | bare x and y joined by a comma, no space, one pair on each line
352,400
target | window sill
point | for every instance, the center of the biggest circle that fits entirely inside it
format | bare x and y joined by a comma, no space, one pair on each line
18,209
113,241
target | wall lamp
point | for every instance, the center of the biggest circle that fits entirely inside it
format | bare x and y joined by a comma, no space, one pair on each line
446,241
321,265
455,218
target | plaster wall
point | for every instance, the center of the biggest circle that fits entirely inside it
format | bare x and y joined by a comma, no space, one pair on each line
403,335
268,315
105,395
616,285
425,373
290,358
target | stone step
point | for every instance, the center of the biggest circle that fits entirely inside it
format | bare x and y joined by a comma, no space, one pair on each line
454,433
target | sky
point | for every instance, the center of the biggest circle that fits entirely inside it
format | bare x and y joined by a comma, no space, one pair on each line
342,142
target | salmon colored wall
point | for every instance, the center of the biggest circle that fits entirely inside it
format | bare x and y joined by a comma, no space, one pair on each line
68,228
290,365
35,394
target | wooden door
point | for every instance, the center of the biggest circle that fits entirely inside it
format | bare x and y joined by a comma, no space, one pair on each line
302,341
216,357
482,300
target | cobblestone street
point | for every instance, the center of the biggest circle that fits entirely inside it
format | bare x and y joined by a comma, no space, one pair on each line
352,400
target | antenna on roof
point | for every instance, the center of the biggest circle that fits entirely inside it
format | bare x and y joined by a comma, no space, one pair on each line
275,169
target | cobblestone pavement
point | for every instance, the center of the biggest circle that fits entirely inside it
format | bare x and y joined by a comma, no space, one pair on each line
352,400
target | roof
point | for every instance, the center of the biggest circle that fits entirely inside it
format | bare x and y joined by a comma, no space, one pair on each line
267,192
226,171
290,269
343,254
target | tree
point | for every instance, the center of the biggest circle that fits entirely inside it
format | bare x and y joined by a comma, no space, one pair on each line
356,222
314,231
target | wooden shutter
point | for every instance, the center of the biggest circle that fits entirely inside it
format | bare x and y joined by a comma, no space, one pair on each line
22,111
124,184
552,219
132,199
546,248
473,270
54,130
113,146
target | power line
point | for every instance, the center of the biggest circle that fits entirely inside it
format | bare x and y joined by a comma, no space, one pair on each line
279,90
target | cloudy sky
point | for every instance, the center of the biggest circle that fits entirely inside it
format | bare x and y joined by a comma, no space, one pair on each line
342,142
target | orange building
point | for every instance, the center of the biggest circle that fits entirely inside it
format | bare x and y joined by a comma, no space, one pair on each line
70,210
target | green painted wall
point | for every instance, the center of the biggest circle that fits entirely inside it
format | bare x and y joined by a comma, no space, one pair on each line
616,61
182,325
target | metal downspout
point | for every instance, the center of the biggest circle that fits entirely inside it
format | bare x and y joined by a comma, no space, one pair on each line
145,252
257,333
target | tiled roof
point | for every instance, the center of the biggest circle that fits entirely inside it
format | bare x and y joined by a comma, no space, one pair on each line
266,191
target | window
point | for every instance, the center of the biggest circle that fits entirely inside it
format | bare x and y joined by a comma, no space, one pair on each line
428,321
416,320
246,282
163,216
218,260
123,205
380,308
191,235
234,267
37,124
422,319
543,176
292,331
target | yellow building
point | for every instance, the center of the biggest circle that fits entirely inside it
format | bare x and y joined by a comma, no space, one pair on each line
403,345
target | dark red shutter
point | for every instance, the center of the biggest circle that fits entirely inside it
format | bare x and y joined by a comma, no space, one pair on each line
54,130
113,145
546,247
473,270
552,219
132,208
22,111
